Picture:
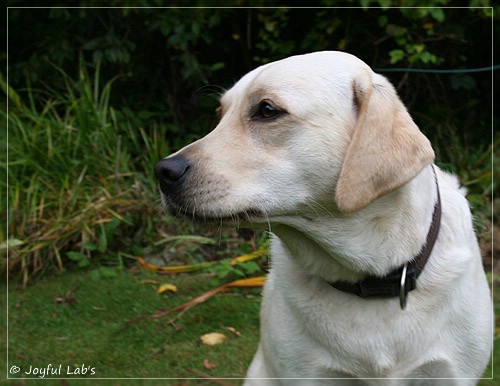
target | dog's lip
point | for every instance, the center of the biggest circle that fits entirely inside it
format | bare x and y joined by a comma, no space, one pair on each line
198,215
250,215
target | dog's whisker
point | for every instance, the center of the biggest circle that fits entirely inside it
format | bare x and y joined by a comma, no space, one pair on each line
209,90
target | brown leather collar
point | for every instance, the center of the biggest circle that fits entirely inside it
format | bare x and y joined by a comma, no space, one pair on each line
403,279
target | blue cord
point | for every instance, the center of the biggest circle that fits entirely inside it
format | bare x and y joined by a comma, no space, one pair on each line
458,71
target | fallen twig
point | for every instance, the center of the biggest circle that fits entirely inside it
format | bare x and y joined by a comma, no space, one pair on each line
250,282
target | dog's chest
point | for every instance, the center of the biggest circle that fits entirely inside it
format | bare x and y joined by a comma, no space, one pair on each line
339,334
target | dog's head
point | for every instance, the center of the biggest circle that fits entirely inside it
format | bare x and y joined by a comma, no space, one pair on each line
320,130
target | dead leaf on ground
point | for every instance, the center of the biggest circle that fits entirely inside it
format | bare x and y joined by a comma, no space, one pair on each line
213,338
166,287
149,281
264,250
248,282
233,331
209,365
68,298
242,283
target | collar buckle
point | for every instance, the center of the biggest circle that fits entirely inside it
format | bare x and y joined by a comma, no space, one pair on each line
408,282
396,284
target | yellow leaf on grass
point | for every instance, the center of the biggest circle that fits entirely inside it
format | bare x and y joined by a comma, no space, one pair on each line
166,287
213,338
250,282
264,250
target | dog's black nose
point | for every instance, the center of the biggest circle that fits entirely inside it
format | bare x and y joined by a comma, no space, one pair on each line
170,171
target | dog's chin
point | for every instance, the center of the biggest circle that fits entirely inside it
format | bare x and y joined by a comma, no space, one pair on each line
246,217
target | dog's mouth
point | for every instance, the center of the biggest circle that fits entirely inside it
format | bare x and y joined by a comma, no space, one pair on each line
246,216
238,218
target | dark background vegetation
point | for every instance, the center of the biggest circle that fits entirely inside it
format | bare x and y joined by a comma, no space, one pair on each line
143,82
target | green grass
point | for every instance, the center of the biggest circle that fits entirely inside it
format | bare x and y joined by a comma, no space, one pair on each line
91,327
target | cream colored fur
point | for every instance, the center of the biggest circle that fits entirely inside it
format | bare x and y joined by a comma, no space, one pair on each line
342,177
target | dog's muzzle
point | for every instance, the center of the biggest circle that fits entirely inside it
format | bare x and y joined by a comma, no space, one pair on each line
180,182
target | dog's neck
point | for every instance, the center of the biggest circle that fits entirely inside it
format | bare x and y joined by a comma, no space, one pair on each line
373,241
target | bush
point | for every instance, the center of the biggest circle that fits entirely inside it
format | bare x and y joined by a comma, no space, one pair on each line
164,57
76,175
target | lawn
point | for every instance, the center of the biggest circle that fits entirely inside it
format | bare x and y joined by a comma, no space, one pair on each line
77,319
74,320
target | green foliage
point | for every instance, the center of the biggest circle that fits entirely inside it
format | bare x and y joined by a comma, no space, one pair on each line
166,54
160,57
274,23
83,260
77,178
98,96
225,272
412,40
99,252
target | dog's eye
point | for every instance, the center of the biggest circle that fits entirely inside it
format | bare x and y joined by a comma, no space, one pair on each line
266,110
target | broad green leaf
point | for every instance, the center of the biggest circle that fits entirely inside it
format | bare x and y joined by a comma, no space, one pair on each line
396,56
76,256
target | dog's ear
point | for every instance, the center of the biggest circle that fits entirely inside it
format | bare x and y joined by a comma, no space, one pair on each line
387,148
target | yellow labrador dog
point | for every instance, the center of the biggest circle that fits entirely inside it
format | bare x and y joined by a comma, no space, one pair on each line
376,275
